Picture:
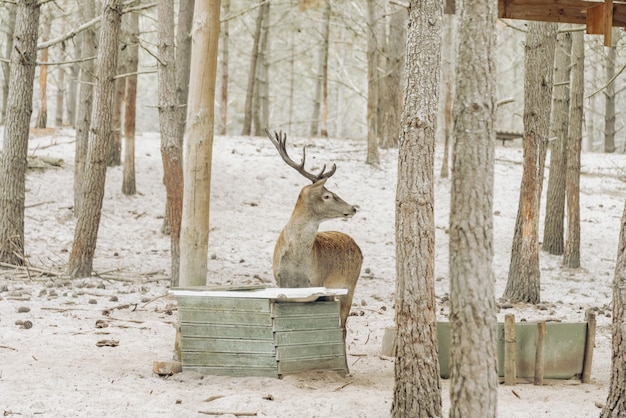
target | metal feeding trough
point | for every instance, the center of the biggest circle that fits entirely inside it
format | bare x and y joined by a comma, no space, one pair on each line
260,332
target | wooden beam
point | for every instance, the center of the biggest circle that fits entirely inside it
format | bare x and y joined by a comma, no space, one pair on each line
599,20
560,11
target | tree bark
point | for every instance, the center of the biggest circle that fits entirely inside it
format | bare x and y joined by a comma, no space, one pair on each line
524,274
194,239
89,47
615,406
171,152
417,390
448,75
320,98
15,141
254,59
372,87
609,100
86,233
555,201
8,50
42,114
571,254
260,110
223,124
129,184
114,157
473,365
393,82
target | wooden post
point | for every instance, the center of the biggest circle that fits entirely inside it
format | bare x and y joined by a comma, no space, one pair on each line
589,343
541,333
510,346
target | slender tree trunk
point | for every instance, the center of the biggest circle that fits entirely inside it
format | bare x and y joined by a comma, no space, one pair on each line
254,59
372,87
224,70
609,100
194,238
171,152
555,201
114,157
448,74
615,406
73,85
571,254
8,50
260,109
417,390
15,142
61,90
42,115
86,233
320,98
393,82
473,365
524,274
89,47
129,184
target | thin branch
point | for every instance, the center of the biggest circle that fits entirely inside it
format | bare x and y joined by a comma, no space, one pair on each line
134,73
621,70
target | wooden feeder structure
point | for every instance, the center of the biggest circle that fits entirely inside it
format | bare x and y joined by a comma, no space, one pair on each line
260,332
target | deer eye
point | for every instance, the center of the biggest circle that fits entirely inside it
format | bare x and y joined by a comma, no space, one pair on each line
326,196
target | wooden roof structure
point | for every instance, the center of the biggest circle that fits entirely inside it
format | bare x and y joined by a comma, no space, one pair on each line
599,16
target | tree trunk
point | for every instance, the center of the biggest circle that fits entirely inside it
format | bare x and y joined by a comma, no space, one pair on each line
448,75
73,86
86,233
417,391
473,365
194,238
89,47
224,70
524,273
254,59
320,98
183,61
393,82
260,110
609,100
571,254
615,406
129,184
171,152
372,87
114,157
42,115
60,96
8,50
555,201
15,142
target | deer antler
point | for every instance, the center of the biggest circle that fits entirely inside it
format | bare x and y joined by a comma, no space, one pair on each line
280,140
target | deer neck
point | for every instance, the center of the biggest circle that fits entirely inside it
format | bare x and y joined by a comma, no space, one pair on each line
299,233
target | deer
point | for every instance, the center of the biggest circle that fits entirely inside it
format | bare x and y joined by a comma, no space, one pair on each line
304,257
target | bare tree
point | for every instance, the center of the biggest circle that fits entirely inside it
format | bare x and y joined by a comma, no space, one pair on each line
555,201
473,366
86,232
224,38
252,74
615,406
372,86
524,273
89,45
447,85
571,253
8,48
42,114
15,142
114,156
129,184
320,97
194,238
261,105
609,100
417,391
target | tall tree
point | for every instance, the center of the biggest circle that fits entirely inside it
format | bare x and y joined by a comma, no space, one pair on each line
555,200
15,142
89,48
615,406
224,38
392,95
114,155
372,86
254,62
42,114
473,366
320,97
609,100
194,238
571,253
260,108
447,85
129,184
417,391
171,152
9,24
86,232
524,273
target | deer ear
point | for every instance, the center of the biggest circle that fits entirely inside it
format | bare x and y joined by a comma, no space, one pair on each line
320,183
